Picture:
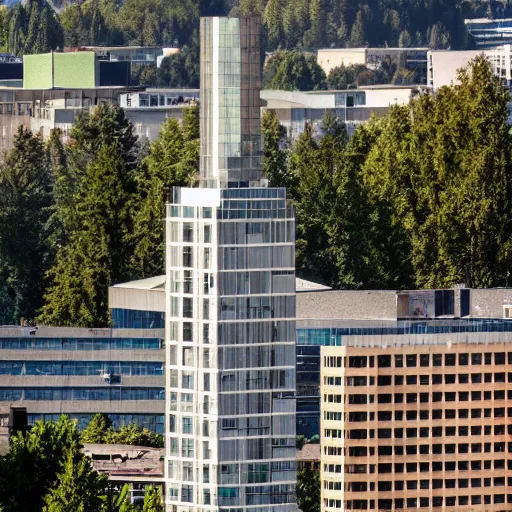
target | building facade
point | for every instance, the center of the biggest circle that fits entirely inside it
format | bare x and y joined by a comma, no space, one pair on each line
488,33
417,422
230,299
81,372
354,107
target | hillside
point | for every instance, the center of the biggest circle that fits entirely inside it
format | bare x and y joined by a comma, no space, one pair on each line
311,24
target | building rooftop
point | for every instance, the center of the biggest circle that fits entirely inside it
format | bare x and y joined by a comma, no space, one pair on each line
309,452
373,48
151,283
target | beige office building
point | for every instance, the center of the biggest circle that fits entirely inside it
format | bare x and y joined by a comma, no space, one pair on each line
417,422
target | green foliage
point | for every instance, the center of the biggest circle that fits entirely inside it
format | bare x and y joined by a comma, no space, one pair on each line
348,77
274,153
133,435
443,174
152,500
25,198
38,461
78,487
100,431
33,28
173,160
292,71
96,429
308,490
313,24
300,442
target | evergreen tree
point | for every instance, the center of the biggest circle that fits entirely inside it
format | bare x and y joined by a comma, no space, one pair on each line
25,198
273,22
295,71
96,429
78,487
95,256
274,154
405,40
357,34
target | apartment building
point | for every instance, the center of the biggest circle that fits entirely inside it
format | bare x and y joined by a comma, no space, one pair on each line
230,302
417,422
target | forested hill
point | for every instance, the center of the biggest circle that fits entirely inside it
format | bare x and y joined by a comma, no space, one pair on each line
311,24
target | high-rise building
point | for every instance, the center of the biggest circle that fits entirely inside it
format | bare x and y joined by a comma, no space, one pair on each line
230,303
423,425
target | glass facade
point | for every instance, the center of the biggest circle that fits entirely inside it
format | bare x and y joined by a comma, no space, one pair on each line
125,368
133,319
309,341
86,344
230,102
231,349
8,394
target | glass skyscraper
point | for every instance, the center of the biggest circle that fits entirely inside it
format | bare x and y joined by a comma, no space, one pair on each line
230,306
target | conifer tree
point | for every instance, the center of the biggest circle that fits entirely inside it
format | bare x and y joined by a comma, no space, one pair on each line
357,34
274,154
25,198
95,256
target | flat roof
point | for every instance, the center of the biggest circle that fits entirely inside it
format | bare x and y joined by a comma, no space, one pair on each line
363,48
151,283
485,20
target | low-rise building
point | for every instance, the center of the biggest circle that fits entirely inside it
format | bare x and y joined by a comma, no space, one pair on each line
414,59
80,372
354,106
488,33
149,109
136,56
444,65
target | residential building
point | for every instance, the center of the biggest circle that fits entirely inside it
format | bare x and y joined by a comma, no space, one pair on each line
488,33
80,372
354,106
230,302
414,59
417,421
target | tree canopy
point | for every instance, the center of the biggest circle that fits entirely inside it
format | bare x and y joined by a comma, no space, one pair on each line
419,198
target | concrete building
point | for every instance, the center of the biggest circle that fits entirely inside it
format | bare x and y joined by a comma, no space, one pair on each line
488,33
230,302
136,56
81,372
414,59
149,109
443,65
354,106
327,318
417,422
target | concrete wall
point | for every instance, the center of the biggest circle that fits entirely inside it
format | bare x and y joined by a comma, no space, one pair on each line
343,304
331,58
139,300
489,303
444,64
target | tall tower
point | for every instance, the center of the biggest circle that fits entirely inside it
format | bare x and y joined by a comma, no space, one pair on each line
230,102
230,320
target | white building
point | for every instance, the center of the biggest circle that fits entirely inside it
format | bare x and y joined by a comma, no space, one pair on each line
353,106
443,65
230,303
